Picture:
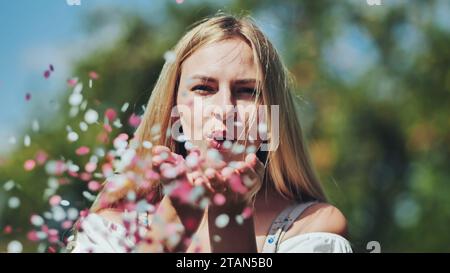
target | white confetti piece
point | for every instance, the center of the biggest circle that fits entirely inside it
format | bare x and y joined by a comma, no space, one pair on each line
222,220
72,136
72,214
27,141
88,196
83,126
227,144
188,145
91,116
239,219
78,88
9,185
35,126
72,167
251,149
15,247
53,183
75,99
238,148
37,220
124,107
117,123
156,129
217,238
213,154
73,112
58,213
147,144
13,202
83,105
47,215
170,56
65,203
100,152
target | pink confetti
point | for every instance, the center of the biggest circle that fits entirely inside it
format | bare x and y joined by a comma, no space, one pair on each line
107,169
94,185
72,82
85,176
102,137
60,167
84,213
54,200
41,157
32,236
47,74
29,165
52,232
107,128
134,120
72,173
236,184
122,136
90,167
27,96
183,192
151,175
7,229
110,114
219,199
179,1
66,224
93,75
83,150
247,212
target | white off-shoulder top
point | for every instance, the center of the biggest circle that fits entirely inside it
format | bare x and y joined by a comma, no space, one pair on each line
100,235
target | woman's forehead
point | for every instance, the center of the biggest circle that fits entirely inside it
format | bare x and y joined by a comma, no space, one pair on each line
231,58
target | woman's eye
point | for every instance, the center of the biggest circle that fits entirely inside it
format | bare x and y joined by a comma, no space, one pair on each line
202,89
251,92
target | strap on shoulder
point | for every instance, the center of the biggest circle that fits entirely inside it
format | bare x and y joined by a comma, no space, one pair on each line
281,224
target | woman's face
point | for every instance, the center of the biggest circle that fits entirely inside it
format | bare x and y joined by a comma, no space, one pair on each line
217,90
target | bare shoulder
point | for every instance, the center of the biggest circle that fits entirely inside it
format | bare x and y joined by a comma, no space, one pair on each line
321,217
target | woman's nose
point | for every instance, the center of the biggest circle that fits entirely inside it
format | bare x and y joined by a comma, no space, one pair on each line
225,102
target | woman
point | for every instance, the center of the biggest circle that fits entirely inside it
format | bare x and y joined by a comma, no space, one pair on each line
222,190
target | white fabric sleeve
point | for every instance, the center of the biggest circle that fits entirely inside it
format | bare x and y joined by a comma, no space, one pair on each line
100,235
315,242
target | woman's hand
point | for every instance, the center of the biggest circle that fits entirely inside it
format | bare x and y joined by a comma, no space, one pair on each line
238,182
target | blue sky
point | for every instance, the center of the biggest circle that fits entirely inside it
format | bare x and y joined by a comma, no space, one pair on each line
35,34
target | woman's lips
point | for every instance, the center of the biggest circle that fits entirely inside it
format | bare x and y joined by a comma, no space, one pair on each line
216,144
216,140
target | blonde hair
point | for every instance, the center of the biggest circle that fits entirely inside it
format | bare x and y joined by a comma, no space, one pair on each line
288,167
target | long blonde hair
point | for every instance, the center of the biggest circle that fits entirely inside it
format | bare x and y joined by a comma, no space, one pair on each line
288,167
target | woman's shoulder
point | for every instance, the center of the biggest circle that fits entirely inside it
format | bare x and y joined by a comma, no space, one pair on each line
315,242
319,217
320,228
104,231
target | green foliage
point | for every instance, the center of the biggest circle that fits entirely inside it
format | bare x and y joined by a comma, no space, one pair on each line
380,140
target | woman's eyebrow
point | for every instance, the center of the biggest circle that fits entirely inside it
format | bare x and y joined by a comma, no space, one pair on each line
203,78
209,79
244,81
